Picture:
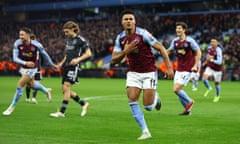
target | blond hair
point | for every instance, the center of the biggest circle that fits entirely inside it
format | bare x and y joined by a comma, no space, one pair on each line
72,25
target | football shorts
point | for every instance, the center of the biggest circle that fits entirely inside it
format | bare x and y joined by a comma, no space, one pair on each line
182,77
147,80
217,75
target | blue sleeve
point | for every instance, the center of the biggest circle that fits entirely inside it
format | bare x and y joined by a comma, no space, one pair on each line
44,54
194,44
218,61
171,47
149,38
15,55
47,57
117,47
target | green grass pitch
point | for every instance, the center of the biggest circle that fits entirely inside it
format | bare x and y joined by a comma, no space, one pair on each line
109,120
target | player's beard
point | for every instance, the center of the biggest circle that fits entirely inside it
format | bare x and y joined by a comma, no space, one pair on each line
24,41
27,42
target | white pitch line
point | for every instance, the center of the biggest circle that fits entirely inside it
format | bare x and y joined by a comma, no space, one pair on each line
89,98
101,97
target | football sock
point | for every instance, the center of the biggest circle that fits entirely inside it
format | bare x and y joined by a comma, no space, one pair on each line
183,96
217,90
17,95
183,102
34,93
79,100
64,106
152,106
28,90
38,86
195,83
206,83
138,115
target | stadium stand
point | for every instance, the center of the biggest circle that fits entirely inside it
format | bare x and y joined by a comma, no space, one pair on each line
99,25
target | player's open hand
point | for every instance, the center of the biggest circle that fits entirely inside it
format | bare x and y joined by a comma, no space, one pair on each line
209,57
194,68
169,73
74,61
57,66
30,64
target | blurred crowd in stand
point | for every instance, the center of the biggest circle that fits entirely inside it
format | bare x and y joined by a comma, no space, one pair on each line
100,34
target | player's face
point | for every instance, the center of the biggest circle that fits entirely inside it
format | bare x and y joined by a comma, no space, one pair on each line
214,43
25,37
128,22
179,30
68,33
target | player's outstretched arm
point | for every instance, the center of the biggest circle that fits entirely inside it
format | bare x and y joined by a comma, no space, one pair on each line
163,51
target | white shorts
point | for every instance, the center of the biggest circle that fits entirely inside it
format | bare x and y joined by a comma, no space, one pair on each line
217,75
182,77
142,80
195,76
29,72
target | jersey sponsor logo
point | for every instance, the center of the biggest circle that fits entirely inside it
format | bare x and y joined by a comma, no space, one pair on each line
181,51
30,54
71,43
69,47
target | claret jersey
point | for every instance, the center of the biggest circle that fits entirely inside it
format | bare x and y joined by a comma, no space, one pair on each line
141,60
185,50
216,64
23,53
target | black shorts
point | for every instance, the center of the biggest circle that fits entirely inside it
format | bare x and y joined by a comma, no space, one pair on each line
70,74
38,76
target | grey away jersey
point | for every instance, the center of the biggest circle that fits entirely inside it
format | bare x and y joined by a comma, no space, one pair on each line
75,47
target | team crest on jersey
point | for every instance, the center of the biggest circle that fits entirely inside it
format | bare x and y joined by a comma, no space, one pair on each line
185,44
137,39
33,48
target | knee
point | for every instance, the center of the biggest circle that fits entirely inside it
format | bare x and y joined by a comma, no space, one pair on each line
177,87
205,77
176,90
216,83
132,99
65,88
31,84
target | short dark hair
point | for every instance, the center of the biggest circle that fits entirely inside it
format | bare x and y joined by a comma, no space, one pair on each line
33,36
127,11
27,30
183,24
